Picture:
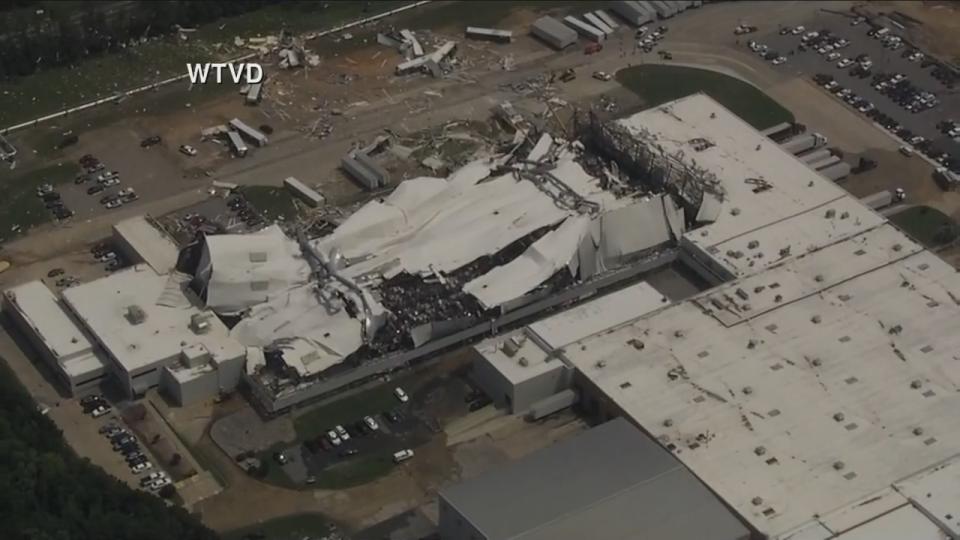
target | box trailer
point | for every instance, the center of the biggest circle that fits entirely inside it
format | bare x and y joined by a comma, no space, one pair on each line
305,193
837,171
771,131
597,23
884,198
367,178
258,138
489,34
253,94
553,32
825,162
606,19
586,30
632,12
804,143
815,156
236,144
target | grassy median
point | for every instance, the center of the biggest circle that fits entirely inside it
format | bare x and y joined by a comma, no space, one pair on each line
658,84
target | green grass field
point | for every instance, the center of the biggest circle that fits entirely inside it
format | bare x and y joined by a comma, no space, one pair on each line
658,84
318,420
272,202
295,527
19,204
928,226
54,89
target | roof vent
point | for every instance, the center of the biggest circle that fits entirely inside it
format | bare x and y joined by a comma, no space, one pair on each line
523,361
757,501
135,314
601,364
816,319
916,384
199,323
668,423
839,417
759,450
918,431
753,244
839,465
830,213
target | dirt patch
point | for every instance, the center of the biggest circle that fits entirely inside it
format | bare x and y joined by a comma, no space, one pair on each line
939,28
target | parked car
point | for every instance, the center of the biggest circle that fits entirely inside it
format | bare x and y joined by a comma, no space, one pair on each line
55,272
188,150
140,467
150,141
109,198
334,438
347,452
152,477
100,411
94,189
401,395
342,433
114,204
371,423
402,455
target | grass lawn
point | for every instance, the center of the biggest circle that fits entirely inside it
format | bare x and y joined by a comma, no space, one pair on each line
356,471
272,202
658,84
318,420
295,527
19,204
51,90
928,226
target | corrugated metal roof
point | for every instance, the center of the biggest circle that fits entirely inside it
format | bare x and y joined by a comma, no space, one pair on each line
609,482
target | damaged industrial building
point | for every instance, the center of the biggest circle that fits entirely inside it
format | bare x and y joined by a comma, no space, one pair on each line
436,263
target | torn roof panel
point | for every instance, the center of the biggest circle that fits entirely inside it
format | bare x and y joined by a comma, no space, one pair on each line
241,270
541,260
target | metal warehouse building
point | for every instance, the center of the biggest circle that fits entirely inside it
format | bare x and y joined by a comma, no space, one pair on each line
609,483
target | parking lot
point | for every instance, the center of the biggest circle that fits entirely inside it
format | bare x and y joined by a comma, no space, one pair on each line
868,62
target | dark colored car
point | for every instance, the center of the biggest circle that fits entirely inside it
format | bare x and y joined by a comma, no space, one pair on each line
94,189
150,141
347,452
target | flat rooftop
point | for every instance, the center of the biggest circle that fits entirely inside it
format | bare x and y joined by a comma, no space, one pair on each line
742,160
859,350
561,329
168,308
153,246
52,324
610,482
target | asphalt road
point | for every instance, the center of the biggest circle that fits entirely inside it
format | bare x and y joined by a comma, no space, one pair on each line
809,63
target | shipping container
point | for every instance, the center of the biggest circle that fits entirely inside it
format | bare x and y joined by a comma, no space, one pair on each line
236,144
586,30
258,138
837,171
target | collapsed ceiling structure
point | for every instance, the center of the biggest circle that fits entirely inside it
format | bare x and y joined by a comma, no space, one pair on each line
435,256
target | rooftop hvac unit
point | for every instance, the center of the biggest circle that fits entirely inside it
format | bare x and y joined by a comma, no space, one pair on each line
199,323
135,314
258,256
524,362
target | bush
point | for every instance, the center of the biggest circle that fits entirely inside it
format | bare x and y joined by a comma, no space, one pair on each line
167,491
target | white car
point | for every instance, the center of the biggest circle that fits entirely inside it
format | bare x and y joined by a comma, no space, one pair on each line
833,56
342,433
842,43
831,85
125,191
858,21
798,30
140,467
602,76
845,63
371,423
154,476
778,60
641,31
116,203
825,49
99,411
157,484
401,395
402,455
906,150
108,256
112,181
334,438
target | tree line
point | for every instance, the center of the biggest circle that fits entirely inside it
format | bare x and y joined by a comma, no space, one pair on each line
63,35
47,492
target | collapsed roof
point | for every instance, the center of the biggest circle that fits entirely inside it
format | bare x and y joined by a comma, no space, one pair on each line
431,258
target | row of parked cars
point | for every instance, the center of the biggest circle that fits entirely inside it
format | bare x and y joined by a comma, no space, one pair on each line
104,253
766,53
53,202
901,91
95,172
241,208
